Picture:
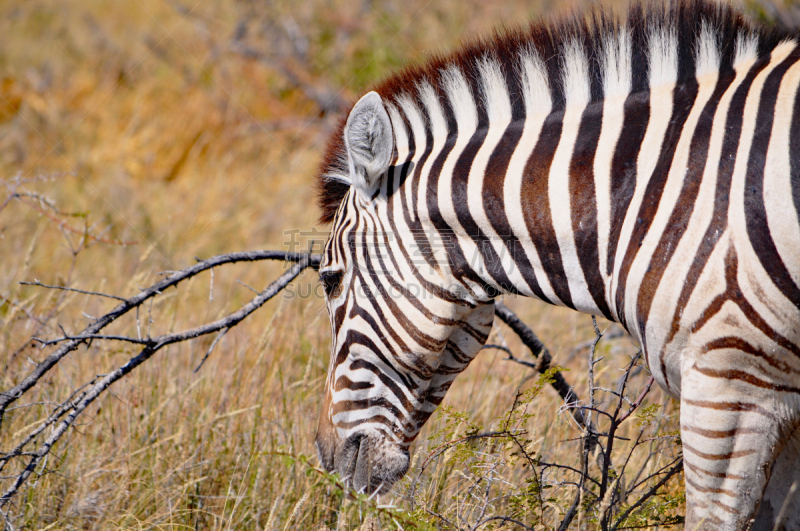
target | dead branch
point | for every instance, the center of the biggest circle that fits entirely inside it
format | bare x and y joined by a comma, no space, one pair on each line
537,348
153,345
11,395
74,290
502,519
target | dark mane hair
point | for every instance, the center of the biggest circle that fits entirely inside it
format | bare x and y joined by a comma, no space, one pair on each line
549,39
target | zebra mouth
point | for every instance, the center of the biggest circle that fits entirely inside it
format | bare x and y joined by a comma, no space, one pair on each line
369,464
351,452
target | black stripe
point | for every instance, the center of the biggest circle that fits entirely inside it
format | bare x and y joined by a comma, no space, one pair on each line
536,205
719,218
733,293
583,204
744,376
636,115
402,290
774,358
683,97
428,286
755,210
343,222
375,324
410,212
459,264
424,340
794,155
493,195
682,212
354,338
387,240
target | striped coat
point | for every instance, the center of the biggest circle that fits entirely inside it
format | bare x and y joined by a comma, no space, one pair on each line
645,168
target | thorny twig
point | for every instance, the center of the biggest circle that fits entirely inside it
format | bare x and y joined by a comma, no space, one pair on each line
211,348
588,438
616,421
650,493
610,486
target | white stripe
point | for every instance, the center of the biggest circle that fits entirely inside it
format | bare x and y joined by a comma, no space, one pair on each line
460,98
781,214
663,61
463,105
662,306
616,64
535,84
617,79
706,52
745,49
575,76
702,215
435,113
662,57
439,132
576,83
748,260
417,123
400,133
498,105
494,91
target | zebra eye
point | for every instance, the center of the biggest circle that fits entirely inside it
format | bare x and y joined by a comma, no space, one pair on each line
332,281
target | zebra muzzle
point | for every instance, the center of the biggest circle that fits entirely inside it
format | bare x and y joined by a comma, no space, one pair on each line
370,463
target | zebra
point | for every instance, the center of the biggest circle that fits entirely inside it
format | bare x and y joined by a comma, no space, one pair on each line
642,166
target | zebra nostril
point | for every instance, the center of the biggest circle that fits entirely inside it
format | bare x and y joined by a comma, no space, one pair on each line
351,449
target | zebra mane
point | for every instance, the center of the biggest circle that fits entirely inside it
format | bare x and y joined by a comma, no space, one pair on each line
579,58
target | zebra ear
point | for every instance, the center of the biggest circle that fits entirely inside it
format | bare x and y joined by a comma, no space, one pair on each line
369,142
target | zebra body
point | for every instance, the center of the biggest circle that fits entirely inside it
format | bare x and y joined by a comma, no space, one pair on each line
646,170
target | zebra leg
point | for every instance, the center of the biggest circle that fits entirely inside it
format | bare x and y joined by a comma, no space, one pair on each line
781,504
731,434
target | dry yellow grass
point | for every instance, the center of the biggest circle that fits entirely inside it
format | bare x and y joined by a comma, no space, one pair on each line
152,127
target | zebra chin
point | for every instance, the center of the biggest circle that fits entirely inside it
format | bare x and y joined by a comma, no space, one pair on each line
367,461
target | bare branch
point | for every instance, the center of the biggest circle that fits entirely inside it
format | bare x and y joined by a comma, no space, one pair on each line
86,338
442,448
39,284
11,395
95,390
211,348
638,401
537,348
511,357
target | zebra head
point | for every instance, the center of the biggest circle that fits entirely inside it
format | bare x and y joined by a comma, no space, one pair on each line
402,327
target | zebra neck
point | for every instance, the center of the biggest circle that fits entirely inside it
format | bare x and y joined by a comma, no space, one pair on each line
547,206
514,203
